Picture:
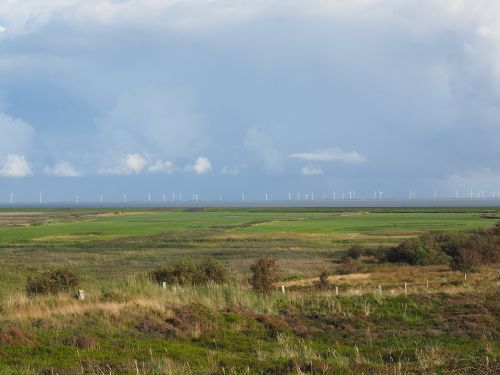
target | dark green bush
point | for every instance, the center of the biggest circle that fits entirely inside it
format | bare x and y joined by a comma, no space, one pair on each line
323,283
52,282
264,275
191,273
465,260
355,252
423,250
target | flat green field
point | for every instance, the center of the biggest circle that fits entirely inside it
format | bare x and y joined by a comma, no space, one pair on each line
81,226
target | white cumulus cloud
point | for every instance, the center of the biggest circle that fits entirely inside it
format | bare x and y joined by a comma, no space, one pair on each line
311,171
131,164
201,166
334,154
15,166
62,169
162,166
16,136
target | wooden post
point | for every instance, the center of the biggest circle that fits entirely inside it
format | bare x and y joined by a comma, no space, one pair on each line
164,285
336,290
81,295
283,289
406,290
465,277
427,282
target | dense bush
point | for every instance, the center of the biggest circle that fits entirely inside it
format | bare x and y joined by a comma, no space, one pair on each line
191,273
351,265
322,283
52,282
264,275
465,260
423,250
463,251
355,252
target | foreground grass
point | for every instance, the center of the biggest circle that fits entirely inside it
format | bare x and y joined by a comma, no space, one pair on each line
139,327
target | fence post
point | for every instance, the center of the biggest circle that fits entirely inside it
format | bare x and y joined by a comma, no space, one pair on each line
164,285
283,289
406,290
427,282
336,290
81,295
465,277
380,289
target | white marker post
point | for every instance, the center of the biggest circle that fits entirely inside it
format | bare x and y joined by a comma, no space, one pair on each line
406,290
283,289
380,289
81,295
336,290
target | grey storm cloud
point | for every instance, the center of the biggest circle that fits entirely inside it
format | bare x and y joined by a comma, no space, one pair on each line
379,93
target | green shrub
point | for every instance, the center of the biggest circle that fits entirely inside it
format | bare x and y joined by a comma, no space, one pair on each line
264,275
423,250
355,252
351,265
322,283
191,273
465,260
52,282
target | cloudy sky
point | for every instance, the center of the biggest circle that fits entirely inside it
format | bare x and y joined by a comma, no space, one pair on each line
209,96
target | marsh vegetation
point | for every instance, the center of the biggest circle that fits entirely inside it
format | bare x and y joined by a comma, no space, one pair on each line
381,291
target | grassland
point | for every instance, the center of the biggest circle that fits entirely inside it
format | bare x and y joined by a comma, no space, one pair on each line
129,325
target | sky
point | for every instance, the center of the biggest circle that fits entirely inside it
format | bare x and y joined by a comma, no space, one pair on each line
257,96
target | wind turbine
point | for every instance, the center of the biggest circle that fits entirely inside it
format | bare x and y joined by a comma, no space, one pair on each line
435,195
173,197
289,196
242,196
149,197
77,199
380,193
312,196
456,194
220,197
124,198
266,196
40,197
334,196
100,198
11,198
180,196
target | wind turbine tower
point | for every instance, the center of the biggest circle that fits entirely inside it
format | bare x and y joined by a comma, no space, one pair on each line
40,197
11,198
